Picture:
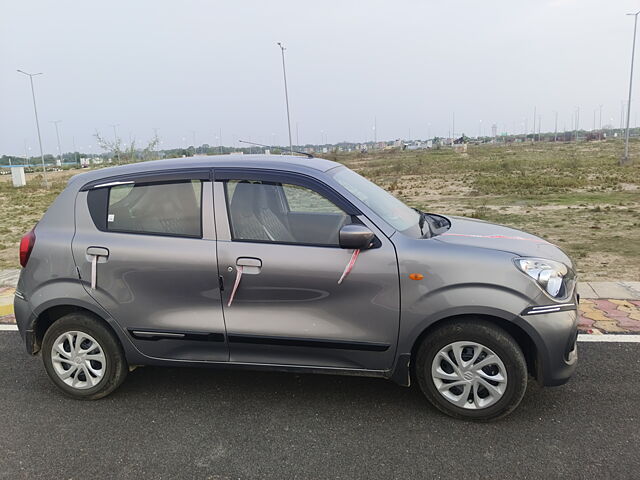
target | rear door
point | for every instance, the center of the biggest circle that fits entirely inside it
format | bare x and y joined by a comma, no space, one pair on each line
288,308
145,249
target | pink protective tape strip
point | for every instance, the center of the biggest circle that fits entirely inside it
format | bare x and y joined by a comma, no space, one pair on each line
349,266
235,285
94,271
496,236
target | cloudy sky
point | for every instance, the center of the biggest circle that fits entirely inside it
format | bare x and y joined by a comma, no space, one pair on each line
201,66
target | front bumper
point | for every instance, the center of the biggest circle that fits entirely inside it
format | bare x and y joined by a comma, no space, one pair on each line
557,334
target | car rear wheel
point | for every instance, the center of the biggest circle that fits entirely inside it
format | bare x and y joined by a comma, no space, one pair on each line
472,369
82,357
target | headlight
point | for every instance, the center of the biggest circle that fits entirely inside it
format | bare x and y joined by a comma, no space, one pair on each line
555,278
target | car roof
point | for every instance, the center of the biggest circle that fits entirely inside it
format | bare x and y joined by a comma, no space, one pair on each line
272,162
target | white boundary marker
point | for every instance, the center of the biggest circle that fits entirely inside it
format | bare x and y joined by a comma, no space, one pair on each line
583,337
609,337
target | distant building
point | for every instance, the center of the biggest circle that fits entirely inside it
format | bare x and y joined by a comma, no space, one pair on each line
420,145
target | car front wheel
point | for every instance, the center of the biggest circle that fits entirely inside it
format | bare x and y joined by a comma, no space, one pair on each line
472,369
83,357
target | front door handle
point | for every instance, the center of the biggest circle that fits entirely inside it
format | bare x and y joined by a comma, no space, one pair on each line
95,255
250,265
248,262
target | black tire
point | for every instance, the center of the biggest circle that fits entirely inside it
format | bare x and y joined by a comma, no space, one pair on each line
115,368
491,337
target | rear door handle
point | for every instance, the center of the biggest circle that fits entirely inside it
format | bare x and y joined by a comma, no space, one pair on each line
95,255
98,252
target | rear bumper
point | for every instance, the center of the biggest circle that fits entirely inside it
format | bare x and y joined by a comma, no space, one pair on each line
557,357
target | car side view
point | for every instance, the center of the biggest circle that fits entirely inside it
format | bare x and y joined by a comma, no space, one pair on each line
293,264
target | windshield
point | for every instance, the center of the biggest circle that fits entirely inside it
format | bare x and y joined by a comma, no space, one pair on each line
401,217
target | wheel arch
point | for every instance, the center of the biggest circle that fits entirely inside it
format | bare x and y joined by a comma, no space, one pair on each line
52,313
523,339
532,348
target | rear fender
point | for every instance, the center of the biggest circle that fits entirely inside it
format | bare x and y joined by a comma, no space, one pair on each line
66,293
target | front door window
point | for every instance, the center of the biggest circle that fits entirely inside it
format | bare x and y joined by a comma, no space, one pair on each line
282,213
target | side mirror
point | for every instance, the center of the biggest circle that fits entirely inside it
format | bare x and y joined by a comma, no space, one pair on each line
356,237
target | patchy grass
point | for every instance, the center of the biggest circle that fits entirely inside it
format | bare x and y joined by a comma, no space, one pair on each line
574,195
20,210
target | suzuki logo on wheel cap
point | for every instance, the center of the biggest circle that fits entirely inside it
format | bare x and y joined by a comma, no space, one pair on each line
468,376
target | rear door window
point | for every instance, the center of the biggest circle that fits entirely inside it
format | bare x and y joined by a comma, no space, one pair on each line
168,208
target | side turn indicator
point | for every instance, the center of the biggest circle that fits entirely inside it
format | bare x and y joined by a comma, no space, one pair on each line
416,276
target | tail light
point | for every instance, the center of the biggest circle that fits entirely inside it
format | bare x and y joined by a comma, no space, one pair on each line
26,245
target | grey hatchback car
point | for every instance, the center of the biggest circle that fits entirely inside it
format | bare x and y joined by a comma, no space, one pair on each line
293,264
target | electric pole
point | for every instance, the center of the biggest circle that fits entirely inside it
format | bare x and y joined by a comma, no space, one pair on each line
600,125
286,96
56,122
625,157
35,110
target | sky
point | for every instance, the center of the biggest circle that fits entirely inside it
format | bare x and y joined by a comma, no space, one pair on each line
208,67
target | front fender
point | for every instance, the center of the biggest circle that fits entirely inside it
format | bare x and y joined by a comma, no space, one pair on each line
496,301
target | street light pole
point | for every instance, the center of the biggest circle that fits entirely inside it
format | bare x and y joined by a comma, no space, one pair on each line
539,126
453,128
35,110
600,121
56,122
286,96
625,158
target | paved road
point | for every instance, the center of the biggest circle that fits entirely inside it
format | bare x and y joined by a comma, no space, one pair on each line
197,423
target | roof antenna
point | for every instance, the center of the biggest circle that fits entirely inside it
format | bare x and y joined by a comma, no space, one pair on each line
308,155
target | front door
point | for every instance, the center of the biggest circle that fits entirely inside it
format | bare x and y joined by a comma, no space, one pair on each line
288,308
145,249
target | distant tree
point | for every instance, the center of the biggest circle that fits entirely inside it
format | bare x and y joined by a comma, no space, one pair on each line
129,152
462,139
